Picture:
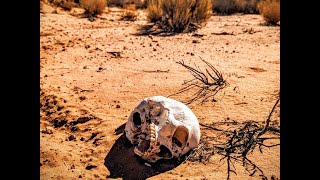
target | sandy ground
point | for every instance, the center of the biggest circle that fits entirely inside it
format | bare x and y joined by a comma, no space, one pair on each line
87,92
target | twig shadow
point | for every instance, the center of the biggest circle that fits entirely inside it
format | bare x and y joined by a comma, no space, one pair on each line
123,163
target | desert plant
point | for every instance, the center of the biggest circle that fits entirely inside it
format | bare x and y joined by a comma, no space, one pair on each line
205,83
270,11
179,15
93,7
182,15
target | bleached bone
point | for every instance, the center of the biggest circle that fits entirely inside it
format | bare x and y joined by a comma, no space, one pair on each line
162,128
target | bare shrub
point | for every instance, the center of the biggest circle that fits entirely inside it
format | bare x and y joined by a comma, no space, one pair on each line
93,7
270,10
179,15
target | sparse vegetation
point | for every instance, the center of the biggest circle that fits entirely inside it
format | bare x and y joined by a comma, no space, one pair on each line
179,15
270,10
235,6
93,7
64,4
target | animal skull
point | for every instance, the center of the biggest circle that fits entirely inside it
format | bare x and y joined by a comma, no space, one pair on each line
162,128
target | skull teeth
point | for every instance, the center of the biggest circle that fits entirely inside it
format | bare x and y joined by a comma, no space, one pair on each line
152,132
153,149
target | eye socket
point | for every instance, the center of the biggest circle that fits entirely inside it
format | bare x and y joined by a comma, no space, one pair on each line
180,136
136,119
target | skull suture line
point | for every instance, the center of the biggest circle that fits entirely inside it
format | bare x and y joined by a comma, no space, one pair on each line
162,128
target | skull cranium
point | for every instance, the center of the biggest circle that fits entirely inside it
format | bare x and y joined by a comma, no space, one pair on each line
162,128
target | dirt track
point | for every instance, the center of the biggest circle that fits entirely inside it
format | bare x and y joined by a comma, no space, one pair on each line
94,73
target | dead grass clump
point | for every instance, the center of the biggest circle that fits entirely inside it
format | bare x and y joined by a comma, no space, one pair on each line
93,7
179,15
154,11
270,10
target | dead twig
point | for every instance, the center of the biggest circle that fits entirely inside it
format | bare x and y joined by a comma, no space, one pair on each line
222,33
206,83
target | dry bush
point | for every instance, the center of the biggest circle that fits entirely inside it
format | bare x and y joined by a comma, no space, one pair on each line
179,15
270,10
93,7
235,6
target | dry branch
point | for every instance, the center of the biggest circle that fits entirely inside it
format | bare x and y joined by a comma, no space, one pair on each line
240,142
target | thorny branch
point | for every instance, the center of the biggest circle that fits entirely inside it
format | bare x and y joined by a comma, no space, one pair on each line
205,83
240,142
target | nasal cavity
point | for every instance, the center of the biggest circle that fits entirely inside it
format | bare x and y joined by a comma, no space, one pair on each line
144,145
136,119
